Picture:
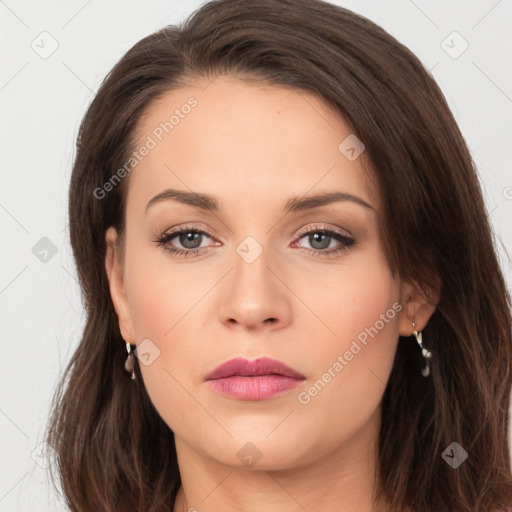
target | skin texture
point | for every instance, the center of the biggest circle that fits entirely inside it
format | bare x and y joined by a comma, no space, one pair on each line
254,147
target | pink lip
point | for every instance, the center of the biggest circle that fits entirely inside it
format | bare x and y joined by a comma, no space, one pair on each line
253,380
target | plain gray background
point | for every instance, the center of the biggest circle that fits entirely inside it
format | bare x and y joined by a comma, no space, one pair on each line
43,97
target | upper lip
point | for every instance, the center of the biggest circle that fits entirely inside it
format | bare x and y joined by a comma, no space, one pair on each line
260,366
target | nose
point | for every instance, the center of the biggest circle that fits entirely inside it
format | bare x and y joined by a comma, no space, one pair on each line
254,296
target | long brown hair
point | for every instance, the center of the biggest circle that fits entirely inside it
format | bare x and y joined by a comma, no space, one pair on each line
113,450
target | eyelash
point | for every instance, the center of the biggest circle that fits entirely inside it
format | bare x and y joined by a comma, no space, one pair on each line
346,242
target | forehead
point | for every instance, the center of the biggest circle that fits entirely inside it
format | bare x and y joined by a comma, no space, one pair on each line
245,142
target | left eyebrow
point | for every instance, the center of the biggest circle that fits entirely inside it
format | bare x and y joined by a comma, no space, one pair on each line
306,203
210,203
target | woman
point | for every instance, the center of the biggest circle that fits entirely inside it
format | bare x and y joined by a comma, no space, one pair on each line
293,299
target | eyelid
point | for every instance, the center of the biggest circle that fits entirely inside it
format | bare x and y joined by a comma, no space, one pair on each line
326,227
205,231
305,230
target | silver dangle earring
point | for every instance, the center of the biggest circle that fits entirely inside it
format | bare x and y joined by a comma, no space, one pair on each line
130,361
427,355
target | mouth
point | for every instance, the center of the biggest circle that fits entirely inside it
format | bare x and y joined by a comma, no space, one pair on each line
263,366
253,387
260,379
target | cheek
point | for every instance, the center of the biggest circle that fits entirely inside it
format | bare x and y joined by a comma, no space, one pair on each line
161,293
166,306
161,311
361,303
354,369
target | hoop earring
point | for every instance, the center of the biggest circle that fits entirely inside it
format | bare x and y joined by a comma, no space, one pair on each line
130,361
427,355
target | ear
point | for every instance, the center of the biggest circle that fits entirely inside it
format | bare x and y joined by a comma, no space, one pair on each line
417,306
116,284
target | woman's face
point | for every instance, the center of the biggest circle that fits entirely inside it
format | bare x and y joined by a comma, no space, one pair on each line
255,276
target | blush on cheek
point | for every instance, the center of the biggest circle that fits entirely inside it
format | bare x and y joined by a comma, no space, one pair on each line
370,330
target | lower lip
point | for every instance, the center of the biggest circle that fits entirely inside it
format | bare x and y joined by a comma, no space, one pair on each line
254,388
